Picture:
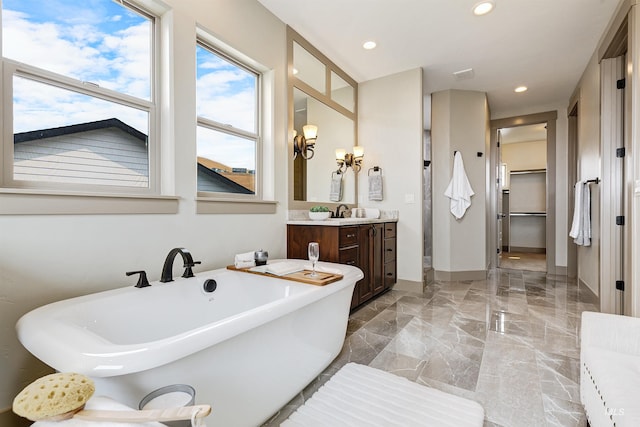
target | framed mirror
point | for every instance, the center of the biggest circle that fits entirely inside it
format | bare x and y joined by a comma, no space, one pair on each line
320,94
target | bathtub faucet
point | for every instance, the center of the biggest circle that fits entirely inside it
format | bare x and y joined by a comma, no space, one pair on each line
167,268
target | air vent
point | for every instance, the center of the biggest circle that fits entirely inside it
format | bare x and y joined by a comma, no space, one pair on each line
464,74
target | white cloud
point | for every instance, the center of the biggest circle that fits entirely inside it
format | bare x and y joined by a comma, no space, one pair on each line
120,61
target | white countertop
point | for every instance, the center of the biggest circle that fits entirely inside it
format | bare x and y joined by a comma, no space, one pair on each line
336,222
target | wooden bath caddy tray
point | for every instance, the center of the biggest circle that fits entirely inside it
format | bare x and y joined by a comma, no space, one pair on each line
299,276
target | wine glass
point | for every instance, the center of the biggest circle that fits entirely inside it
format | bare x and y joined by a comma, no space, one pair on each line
314,254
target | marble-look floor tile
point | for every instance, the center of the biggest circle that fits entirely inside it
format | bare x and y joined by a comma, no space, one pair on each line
398,364
509,323
466,331
418,339
454,364
568,367
409,305
361,347
388,323
559,376
475,310
511,398
504,353
510,342
562,413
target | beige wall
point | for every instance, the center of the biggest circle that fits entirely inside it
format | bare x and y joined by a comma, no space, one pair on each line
525,155
459,121
390,121
48,258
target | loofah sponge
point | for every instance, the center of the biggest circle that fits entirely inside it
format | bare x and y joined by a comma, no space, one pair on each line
53,395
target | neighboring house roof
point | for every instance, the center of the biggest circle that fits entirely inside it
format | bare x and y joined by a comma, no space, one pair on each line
81,127
98,153
210,180
106,152
244,178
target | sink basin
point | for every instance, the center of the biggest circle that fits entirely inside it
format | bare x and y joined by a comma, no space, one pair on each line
355,219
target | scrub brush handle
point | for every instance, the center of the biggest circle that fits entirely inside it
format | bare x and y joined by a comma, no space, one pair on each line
145,415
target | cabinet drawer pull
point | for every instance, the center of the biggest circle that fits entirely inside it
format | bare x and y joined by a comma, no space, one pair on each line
389,274
389,250
350,263
351,235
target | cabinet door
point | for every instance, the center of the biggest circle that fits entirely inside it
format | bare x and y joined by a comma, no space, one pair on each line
299,236
365,286
377,257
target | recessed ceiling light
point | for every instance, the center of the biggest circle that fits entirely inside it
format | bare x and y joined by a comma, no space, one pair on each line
483,7
369,45
520,89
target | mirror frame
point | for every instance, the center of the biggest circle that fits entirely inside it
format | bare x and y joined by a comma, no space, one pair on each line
294,82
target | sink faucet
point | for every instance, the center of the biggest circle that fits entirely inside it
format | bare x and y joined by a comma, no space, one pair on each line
167,268
337,214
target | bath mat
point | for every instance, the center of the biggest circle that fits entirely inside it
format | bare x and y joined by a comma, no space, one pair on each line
360,396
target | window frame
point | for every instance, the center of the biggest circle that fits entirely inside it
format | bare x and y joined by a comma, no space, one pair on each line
206,41
10,187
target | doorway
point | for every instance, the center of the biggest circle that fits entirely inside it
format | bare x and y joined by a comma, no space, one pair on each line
547,121
523,169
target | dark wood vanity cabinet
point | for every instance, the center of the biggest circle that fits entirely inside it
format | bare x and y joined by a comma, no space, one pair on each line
370,247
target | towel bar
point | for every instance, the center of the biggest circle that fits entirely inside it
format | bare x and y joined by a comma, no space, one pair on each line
375,169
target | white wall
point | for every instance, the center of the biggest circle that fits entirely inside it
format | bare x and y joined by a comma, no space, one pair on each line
390,121
48,258
460,121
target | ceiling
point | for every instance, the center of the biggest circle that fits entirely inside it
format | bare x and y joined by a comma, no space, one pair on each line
542,44
537,132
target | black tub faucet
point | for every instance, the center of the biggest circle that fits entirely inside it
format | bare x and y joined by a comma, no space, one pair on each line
167,268
337,214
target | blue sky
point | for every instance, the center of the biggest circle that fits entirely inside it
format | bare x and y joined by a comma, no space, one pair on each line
102,42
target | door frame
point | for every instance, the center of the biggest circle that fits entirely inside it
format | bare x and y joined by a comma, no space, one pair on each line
550,118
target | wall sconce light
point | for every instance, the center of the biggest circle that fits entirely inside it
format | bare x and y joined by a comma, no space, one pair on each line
303,144
346,160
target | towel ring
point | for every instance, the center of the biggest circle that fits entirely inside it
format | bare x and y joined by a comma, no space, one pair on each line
375,169
334,173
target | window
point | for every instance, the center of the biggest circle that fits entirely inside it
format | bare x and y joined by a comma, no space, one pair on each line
79,96
228,134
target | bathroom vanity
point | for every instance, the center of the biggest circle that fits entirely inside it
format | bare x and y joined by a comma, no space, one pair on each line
369,244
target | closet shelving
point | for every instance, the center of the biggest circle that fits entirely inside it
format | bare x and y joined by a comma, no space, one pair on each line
527,210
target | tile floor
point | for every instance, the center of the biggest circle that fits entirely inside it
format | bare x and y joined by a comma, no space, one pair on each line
523,261
510,342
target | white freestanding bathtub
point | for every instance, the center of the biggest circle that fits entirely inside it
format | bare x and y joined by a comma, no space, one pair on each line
247,348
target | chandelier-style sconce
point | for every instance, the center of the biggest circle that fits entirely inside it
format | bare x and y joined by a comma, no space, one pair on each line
303,144
353,160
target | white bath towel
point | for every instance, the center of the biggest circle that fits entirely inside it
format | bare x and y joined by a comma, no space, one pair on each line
284,267
375,187
97,402
335,195
459,189
581,224
244,260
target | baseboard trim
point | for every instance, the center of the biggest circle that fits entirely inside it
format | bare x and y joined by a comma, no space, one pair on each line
453,276
527,250
409,286
561,270
591,296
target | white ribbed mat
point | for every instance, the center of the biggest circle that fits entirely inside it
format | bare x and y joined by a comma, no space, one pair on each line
360,396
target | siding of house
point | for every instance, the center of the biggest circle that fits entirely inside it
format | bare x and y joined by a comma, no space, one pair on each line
106,156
